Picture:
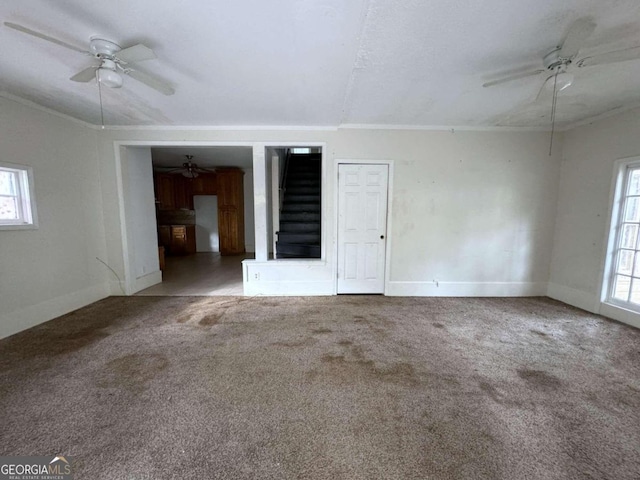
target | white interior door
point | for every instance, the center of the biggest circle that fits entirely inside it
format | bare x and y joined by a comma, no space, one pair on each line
362,225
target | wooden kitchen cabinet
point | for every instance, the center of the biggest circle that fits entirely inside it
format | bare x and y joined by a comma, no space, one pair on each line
173,192
165,195
230,191
182,192
183,239
204,184
164,237
177,239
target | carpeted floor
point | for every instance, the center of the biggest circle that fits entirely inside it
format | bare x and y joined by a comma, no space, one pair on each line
326,388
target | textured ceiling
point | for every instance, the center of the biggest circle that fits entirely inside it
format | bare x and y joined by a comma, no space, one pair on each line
322,62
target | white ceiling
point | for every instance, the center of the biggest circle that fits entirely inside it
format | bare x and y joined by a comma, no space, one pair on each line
322,62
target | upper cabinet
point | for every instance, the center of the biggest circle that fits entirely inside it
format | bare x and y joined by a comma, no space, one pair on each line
165,195
173,192
204,184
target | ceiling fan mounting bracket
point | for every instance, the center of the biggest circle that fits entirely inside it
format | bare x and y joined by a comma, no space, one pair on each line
553,60
102,48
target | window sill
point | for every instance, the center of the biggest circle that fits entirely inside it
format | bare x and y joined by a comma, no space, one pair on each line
620,313
29,226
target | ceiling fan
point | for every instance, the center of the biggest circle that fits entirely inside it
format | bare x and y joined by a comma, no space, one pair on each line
559,62
113,61
189,169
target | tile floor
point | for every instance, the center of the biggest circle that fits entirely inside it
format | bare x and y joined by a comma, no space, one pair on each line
202,274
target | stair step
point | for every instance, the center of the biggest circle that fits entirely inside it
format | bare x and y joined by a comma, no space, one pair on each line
303,170
294,176
307,157
299,217
302,191
292,198
286,250
304,238
300,227
301,207
303,182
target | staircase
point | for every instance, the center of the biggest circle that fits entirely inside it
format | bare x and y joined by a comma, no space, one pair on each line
299,233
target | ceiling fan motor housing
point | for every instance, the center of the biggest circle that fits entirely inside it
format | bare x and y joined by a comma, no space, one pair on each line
102,48
553,60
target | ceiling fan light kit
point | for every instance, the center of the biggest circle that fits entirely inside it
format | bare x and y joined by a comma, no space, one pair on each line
108,76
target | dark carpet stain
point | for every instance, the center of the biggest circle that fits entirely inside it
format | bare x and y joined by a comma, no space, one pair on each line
295,343
212,319
345,342
539,333
494,394
132,372
354,366
322,330
540,379
438,325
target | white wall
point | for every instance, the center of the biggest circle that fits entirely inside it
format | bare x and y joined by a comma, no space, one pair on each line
473,212
52,270
140,209
207,238
584,206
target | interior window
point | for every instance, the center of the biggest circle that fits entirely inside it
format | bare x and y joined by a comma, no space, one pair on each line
625,270
17,209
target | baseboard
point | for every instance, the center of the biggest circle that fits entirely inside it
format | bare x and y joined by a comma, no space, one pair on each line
284,288
577,298
147,281
116,288
22,319
620,314
465,289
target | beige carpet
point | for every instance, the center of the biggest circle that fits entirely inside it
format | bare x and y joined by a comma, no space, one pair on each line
326,388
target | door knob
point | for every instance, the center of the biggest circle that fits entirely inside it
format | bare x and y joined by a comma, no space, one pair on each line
381,237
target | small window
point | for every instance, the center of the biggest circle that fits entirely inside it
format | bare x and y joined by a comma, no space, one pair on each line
17,208
300,150
625,268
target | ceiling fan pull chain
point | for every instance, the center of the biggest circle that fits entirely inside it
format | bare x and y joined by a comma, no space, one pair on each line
100,96
553,109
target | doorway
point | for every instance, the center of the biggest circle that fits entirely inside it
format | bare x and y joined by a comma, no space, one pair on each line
362,227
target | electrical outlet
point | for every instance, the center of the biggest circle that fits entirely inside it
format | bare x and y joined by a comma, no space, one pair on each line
256,276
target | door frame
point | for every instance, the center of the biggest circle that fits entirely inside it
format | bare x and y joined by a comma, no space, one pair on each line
388,236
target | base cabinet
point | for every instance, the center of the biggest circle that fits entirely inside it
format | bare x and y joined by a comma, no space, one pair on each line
178,239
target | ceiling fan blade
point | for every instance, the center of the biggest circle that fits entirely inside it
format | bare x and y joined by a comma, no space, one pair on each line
136,53
632,53
28,31
513,77
580,30
85,75
168,169
544,88
206,170
150,81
